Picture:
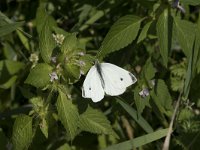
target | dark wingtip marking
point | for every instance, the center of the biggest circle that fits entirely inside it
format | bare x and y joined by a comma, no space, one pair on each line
133,77
83,92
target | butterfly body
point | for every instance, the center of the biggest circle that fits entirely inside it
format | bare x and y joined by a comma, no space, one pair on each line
106,78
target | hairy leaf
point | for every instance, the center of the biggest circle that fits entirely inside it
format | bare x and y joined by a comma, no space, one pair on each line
185,35
68,115
39,75
122,33
162,97
95,121
69,44
22,132
164,30
45,23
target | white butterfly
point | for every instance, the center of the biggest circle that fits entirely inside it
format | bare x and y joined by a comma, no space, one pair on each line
106,78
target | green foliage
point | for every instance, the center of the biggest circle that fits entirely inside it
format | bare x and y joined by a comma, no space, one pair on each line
122,33
138,142
137,117
39,75
185,34
94,121
47,48
68,115
162,97
22,132
164,29
144,32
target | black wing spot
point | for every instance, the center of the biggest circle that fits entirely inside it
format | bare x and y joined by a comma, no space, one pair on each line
89,88
121,79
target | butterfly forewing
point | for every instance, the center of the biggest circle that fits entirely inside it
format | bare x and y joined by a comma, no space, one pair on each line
116,79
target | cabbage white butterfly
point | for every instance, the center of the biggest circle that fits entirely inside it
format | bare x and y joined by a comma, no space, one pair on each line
106,78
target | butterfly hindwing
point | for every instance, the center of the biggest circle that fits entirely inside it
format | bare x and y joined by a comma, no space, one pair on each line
92,86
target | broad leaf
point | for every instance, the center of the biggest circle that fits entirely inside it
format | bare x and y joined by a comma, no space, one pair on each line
45,23
13,66
71,73
122,33
42,16
95,121
162,97
68,115
148,70
46,43
164,30
69,44
139,141
22,132
39,75
185,34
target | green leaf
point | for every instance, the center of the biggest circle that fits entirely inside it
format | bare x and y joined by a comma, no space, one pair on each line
68,115
46,40
42,110
22,132
144,32
13,66
45,24
191,2
95,121
3,141
39,75
24,40
140,102
64,147
44,127
122,33
189,76
164,30
148,70
60,31
139,141
162,97
197,48
71,73
98,14
41,17
69,44
185,35
10,27
9,83
137,117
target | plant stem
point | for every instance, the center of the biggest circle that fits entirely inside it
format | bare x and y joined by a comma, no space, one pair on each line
168,137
